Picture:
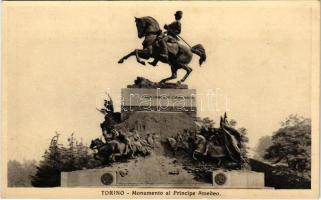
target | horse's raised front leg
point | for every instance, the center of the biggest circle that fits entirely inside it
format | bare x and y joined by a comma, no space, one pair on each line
127,56
136,53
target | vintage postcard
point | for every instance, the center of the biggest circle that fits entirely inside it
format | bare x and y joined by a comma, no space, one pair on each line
160,99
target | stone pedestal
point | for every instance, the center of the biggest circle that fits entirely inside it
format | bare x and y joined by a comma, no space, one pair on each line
238,179
158,100
89,178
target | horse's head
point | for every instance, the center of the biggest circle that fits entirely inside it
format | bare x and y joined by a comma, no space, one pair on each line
200,140
95,143
140,25
146,25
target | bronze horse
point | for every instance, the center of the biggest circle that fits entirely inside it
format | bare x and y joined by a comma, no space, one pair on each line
107,152
179,55
213,150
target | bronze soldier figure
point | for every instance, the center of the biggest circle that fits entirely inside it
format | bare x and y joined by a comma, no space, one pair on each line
108,108
173,29
107,126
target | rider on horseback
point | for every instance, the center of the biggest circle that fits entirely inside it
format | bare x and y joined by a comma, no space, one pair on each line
179,55
173,30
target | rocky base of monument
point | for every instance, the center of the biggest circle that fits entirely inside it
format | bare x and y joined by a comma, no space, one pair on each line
142,82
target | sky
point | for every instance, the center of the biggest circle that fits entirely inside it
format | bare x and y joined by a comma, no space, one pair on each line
61,58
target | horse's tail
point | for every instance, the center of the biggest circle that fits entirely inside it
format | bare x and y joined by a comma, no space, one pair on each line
200,51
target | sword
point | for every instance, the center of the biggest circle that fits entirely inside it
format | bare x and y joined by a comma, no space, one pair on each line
184,41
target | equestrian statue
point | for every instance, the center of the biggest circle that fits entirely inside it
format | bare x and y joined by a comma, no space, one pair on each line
164,46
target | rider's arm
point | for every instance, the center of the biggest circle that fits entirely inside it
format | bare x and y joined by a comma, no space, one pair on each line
171,26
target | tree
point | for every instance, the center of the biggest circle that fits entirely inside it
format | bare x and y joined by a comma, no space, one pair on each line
48,171
291,145
207,123
58,158
263,144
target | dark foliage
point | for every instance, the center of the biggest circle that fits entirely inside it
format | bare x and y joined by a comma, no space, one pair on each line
291,144
279,180
58,159
207,123
290,151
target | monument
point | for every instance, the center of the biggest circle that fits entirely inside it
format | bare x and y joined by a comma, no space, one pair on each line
158,117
